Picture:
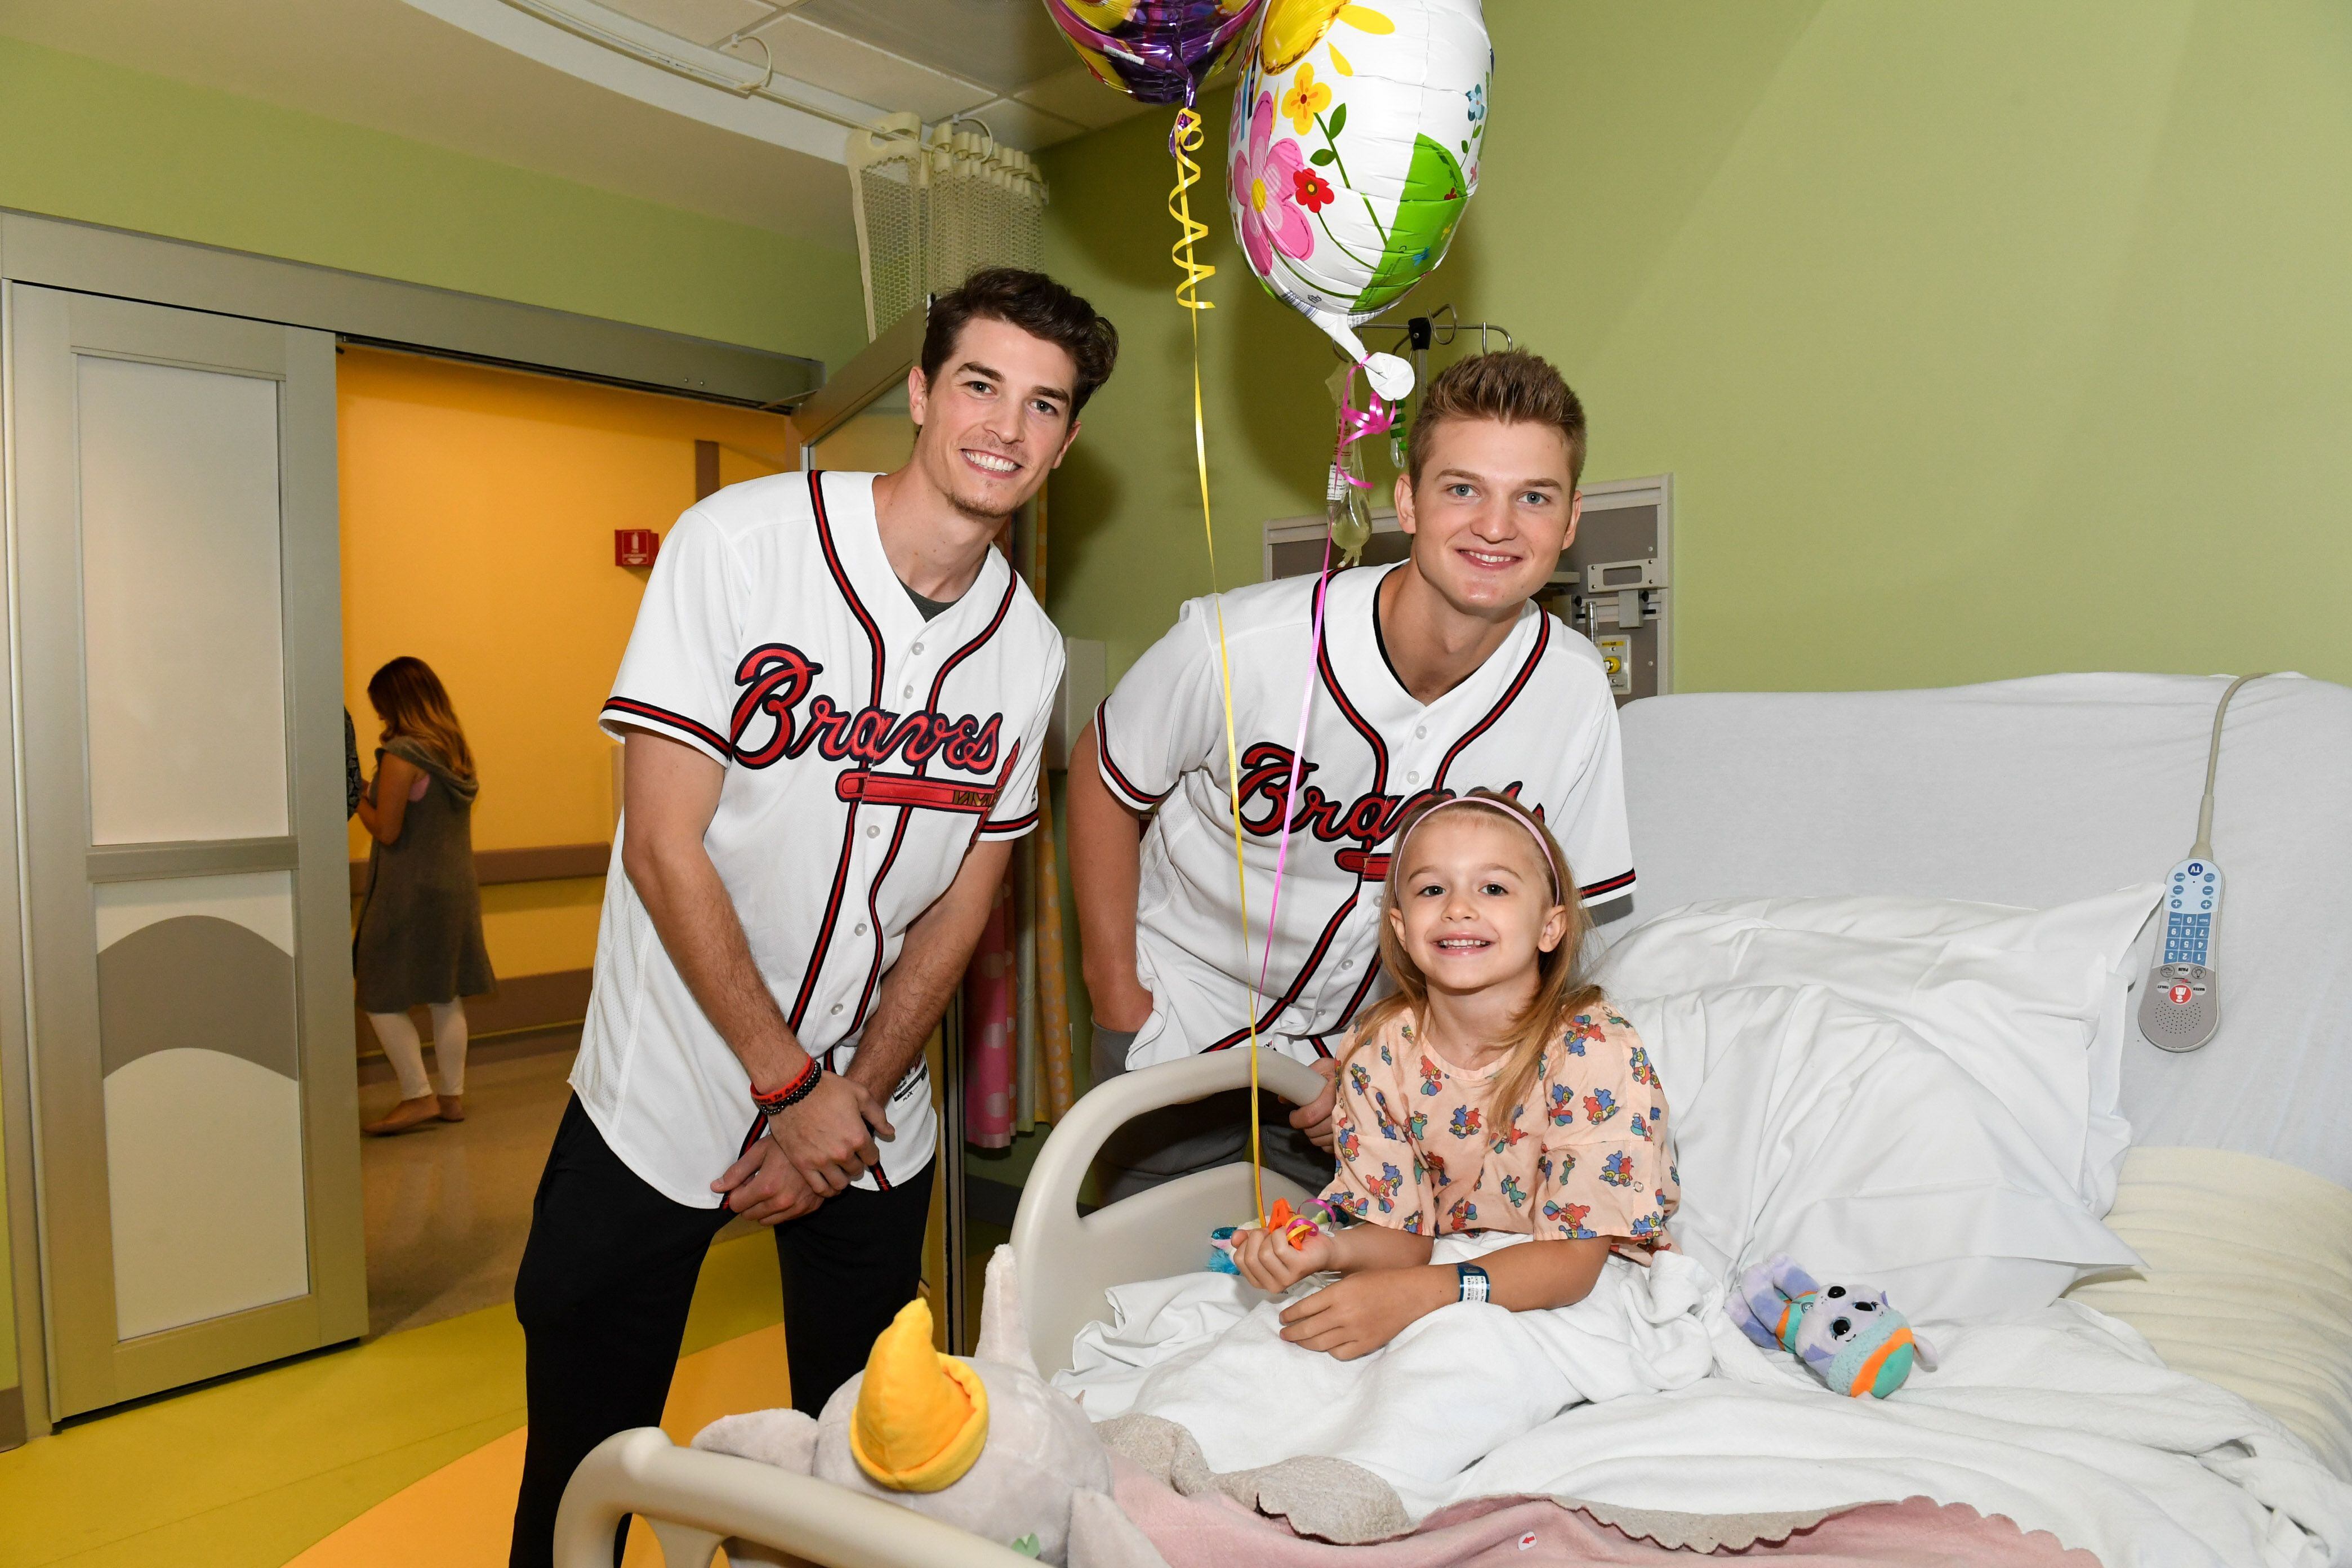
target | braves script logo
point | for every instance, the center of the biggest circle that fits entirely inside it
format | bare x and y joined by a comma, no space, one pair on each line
1366,821
775,678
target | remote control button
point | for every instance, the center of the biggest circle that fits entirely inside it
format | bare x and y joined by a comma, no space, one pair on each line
2194,869
2179,994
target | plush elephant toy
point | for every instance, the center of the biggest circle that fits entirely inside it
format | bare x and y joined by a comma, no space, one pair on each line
1849,1336
982,1443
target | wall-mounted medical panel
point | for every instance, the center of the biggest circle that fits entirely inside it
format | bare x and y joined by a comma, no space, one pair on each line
1614,582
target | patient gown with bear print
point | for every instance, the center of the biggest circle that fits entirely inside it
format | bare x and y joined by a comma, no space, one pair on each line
1584,1156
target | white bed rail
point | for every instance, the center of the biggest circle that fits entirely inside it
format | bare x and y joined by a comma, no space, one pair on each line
1067,1261
697,1502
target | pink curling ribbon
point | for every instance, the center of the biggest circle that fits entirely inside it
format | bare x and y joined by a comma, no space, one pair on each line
1354,425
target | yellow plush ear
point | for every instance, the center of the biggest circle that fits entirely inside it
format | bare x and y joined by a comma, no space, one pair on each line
922,1417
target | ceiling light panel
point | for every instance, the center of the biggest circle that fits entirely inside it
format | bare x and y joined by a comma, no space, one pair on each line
1004,45
705,22
811,53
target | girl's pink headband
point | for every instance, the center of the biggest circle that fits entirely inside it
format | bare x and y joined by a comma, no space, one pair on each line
1507,807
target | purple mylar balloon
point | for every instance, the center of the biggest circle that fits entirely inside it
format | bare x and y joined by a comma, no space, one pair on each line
1157,51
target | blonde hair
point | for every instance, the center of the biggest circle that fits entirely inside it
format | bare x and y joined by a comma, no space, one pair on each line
1562,986
412,701
1513,387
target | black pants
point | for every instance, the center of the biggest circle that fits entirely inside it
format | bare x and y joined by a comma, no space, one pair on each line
608,1275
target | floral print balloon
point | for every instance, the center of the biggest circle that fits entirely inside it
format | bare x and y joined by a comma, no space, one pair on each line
1355,146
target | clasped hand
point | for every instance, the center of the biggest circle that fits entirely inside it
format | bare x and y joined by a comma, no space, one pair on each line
807,1153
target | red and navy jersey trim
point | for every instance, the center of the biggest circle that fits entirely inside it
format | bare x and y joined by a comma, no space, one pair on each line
906,814
1011,826
1502,704
1348,709
817,949
1298,986
1608,885
947,666
634,711
1111,770
841,580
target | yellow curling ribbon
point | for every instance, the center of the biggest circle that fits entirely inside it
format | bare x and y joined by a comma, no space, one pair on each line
1184,141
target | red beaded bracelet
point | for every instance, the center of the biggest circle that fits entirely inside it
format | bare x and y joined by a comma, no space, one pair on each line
792,1093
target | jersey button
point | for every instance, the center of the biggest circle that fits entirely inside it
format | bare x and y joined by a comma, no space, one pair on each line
873,830
909,691
861,927
1412,778
1346,964
836,1007
1422,733
918,648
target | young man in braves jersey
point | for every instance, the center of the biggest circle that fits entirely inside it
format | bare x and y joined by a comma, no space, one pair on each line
833,703
1435,676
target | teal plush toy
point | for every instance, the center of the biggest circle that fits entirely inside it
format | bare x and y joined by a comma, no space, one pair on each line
1849,1336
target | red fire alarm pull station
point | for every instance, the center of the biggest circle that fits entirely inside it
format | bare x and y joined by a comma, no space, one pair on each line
634,546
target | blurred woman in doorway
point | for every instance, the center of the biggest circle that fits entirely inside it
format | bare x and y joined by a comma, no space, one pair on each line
420,926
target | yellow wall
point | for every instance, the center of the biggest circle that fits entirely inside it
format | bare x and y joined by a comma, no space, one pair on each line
478,515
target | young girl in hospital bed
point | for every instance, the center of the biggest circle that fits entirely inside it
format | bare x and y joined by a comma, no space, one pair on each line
1494,1092
1502,1150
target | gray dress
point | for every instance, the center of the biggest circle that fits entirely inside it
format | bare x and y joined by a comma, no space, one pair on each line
420,929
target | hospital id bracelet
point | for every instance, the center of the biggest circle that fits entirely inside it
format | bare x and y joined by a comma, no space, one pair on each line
1475,1286
792,1093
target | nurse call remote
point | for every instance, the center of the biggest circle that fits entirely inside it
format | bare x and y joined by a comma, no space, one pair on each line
2180,1007
2181,1004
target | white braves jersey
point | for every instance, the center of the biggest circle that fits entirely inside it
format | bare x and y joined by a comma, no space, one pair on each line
1535,720
866,750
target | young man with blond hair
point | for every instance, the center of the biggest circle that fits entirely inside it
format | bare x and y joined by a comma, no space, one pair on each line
1435,675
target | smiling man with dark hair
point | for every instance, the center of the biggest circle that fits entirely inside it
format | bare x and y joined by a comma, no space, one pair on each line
833,705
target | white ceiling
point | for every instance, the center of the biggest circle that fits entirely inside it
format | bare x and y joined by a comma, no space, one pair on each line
494,80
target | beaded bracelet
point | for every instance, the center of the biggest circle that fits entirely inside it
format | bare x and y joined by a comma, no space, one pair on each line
792,1093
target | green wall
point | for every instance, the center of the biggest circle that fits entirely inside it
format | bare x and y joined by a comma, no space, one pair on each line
80,139
1982,340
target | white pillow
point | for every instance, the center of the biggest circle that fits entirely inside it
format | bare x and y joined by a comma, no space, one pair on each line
2031,1003
1808,1124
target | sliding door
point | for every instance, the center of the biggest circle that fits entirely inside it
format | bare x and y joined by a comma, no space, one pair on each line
176,584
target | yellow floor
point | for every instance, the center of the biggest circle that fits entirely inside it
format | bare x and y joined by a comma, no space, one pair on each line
401,1450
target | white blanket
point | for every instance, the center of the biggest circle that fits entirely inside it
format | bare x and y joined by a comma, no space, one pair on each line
2064,1421
1205,1351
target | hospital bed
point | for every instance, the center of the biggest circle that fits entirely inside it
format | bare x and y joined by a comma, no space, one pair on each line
2028,793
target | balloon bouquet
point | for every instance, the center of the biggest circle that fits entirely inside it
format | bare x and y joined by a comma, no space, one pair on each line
1354,151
